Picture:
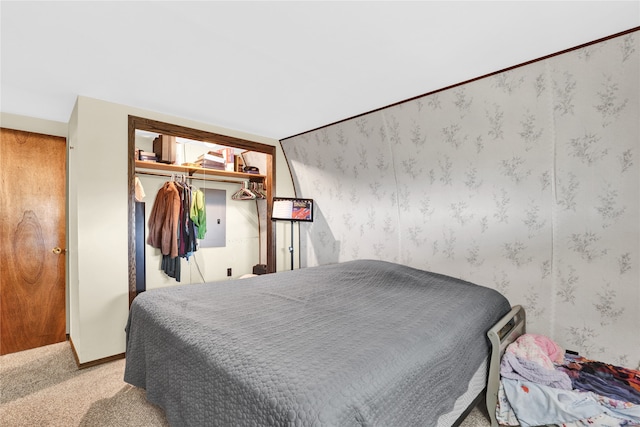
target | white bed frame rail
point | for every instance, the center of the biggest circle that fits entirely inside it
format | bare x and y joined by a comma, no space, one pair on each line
503,333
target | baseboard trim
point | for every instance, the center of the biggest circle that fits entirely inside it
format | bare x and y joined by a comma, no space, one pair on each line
93,362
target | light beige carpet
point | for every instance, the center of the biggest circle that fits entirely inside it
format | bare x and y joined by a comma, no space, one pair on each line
43,387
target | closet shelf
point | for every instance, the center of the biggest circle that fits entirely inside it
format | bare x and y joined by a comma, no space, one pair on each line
191,170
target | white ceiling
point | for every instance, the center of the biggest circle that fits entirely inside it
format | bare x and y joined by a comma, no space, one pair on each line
271,68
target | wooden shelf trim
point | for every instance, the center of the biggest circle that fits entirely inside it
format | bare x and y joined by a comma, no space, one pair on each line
190,170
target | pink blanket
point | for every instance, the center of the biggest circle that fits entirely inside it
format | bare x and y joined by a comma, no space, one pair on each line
537,348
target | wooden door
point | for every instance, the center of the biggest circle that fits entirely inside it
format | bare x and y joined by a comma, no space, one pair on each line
32,240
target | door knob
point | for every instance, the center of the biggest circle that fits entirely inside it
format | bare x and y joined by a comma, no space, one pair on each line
57,250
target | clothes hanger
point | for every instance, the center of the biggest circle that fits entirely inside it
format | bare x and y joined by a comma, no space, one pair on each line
256,188
244,193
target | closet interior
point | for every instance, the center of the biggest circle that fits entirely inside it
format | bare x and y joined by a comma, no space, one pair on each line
224,205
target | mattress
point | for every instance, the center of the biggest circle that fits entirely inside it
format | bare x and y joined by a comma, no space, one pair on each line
476,385
357,343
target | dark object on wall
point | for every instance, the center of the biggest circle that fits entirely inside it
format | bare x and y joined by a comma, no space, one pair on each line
165,148
251,169
141,277
260,269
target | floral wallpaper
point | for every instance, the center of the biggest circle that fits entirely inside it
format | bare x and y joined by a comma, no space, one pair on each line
526,181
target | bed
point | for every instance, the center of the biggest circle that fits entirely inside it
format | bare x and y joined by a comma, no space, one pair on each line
359,343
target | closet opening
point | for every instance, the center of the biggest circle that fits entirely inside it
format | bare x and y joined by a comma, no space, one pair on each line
250,170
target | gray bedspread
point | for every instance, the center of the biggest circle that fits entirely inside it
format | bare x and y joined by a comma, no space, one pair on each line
361,343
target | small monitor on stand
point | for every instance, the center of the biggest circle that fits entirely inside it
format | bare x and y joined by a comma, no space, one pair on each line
292,209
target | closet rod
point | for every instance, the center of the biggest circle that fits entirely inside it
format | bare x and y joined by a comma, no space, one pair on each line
204,178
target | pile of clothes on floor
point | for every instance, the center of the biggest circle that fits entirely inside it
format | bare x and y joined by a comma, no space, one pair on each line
541,384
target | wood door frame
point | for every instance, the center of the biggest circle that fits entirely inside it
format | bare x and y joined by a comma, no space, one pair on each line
140,123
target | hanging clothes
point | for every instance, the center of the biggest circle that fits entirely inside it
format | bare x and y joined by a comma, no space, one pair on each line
139,190
199,213
171,228
164,220
171,266
187,243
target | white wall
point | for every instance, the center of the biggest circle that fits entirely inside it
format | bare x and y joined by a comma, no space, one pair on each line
32,124
98,220
73,320
526,181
